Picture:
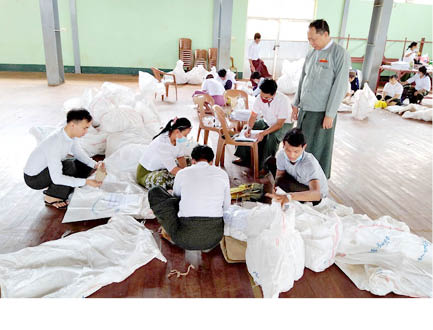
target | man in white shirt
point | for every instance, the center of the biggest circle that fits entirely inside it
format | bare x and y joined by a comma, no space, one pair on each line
298,172
256,64
275,110
193,216
421,89
392,91
49,166
227,82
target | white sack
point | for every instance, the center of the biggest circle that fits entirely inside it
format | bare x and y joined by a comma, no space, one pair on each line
236,220
121,119
115,141
118,95
179,73
344,108
321,234
125,159
382,256
425,115
119,194
364,101
396,108
78,265
94,142
72,103
150,116
275,256
197,75
290,75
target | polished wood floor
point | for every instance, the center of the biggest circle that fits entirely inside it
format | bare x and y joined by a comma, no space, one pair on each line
382,166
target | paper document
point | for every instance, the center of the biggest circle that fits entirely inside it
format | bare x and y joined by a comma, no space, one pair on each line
242,137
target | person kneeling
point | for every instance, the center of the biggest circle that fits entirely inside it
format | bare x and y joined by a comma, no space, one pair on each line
48,166
298,172
193,217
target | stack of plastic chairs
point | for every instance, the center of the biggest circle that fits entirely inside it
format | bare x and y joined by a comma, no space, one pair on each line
185,53
200,56
213,53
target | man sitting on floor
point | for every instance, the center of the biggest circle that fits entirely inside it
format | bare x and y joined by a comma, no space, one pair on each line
298,172
48,166
193,217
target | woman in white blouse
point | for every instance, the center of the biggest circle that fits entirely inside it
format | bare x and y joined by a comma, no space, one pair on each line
157,165
421,89
392,91
411,52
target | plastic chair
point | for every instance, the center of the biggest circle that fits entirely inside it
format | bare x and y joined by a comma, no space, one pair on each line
159,75
213,55
233,68
226,138
185,53
200,56
236,93
200,101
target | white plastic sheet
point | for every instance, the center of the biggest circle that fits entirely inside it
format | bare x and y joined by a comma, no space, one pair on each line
382,256
78,265
119,194
291,73
364,100
275,250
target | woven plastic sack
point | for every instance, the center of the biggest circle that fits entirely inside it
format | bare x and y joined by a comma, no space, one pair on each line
364,101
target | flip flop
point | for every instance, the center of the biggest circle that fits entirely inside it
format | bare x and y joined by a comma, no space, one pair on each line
55,202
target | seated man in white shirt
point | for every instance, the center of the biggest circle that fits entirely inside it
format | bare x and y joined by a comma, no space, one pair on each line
392,91
227,82
193,217
421,89
49,166
298,172
276,111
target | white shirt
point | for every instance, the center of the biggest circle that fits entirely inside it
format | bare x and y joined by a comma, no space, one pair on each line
213,87
328,45
410,58
393,90
254,51
204,191
223,81
257,90
279,108
304,170
420,83
51,152
160,154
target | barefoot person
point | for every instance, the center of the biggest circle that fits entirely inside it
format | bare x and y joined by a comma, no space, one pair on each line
48,165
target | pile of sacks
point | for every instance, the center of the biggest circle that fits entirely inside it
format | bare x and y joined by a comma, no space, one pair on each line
380,256
291,73
412,111
360,104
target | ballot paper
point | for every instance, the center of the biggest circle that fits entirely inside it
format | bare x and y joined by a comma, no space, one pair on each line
252,138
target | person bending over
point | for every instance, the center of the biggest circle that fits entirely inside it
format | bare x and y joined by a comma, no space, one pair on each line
157,165
298,172
421,89
275,109
48,166
214,88
227,82
193,215
255,76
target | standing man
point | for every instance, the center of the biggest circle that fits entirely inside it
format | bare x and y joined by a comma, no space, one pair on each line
49,166
256,64
321,89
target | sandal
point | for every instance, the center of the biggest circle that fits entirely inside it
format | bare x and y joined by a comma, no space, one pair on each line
52,204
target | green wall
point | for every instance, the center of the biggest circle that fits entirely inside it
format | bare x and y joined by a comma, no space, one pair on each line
113,33
407,20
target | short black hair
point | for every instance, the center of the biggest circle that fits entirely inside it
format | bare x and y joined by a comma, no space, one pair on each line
295,138
78,115
257,36
423,70
393,76
320,25
201,152
269,86
209,76
256,75
222,73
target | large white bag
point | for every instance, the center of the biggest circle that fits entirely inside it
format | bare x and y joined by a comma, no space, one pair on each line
425,114
321,234
196,75
382,256
121,119
94,142
115,141
364,101
125,159
275,256
290,75
179,73
78,265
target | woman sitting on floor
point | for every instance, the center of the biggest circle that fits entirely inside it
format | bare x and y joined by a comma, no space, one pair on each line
214,88
421,89
157,165
392,91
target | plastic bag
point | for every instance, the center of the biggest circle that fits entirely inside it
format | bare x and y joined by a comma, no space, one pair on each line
425,115
291,73
364,101
94,142
180,74
382,256
235,222
275,256
321,234
196,75
118,95
125,159
121,119
78,265
115,141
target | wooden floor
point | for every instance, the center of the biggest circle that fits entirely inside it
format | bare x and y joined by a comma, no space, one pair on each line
382,166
